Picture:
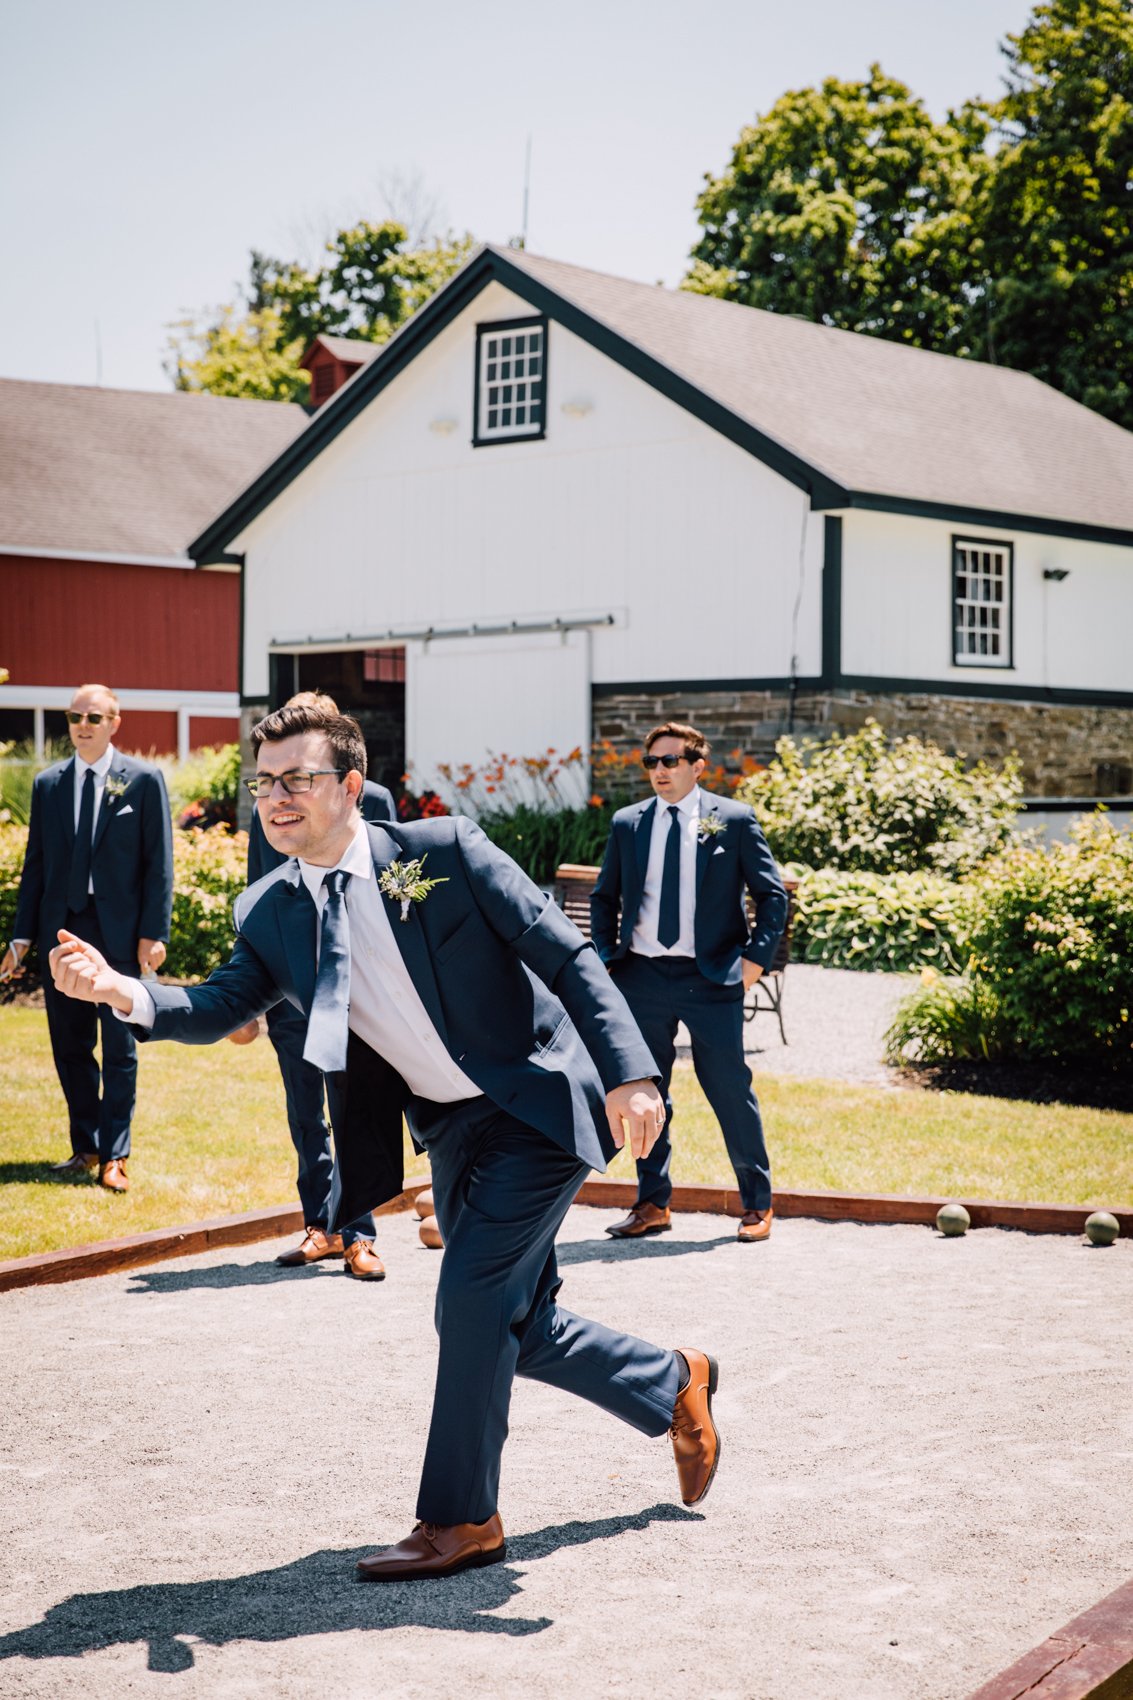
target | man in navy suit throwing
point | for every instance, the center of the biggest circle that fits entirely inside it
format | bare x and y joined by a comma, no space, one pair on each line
436,976
681,949
99,862
303,1084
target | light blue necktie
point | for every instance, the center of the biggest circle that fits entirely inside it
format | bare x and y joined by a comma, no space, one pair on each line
328,1024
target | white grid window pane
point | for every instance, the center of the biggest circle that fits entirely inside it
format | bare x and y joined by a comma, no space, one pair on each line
981,612
511,382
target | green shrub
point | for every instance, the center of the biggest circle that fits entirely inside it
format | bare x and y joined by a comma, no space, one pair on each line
947,1020
540,839
13,843
877,921
209,873
19,765
863,804
1051,935
203,788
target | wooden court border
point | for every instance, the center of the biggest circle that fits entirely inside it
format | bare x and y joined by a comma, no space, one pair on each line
79,1263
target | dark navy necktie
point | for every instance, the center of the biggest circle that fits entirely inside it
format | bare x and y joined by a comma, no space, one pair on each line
328,1023
78,886
669,919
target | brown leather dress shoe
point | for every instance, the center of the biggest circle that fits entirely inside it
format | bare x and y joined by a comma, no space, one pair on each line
755,1225
314,1244
643,1219
696,1442
112,1175
434,1549
363,1262
78,1165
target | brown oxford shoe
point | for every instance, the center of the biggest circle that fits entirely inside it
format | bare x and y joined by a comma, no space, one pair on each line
363,1262
437,1549
755,1225
79,1165
112,1175
643,1219
314,1244
696,1442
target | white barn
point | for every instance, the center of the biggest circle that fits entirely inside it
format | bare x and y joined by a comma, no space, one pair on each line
558,504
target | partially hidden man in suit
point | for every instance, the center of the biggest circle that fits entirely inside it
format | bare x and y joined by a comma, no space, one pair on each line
474,1003
681,949
303,1084
99,862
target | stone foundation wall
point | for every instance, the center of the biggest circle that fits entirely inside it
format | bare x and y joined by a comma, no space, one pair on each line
1065,750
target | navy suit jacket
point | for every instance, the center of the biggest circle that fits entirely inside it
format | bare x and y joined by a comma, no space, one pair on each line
377,805
131,858
517,996
726,862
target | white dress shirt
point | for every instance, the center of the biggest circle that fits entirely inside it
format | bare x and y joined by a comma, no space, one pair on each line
386,1011
645,941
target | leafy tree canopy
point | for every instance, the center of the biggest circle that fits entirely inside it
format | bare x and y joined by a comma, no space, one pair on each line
369,282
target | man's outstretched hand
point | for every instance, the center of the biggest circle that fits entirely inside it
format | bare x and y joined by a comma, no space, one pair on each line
80,971
639,1107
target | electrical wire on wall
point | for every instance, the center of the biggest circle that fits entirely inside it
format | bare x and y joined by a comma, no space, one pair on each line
793,686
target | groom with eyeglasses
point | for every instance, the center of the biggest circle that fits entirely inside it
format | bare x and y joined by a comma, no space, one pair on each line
435,976
99,862
669,919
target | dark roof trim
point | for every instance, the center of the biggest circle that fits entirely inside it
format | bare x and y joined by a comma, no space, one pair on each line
991,517
427,323
874,686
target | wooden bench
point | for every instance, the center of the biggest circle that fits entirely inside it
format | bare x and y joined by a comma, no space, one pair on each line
574,881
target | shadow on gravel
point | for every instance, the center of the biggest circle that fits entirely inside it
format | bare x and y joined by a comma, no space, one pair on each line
224,1275
317,1595
623,1251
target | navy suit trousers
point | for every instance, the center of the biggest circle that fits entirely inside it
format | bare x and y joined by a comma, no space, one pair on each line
100,1119
663,991
501,1191
306,1118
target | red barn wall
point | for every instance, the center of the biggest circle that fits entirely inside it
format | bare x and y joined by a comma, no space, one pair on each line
155,628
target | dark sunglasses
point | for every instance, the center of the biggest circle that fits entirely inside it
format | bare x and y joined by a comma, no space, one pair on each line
74,719
299,779
650,762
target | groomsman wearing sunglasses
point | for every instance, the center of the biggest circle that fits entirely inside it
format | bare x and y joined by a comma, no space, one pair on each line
303,1083
669,919
99,862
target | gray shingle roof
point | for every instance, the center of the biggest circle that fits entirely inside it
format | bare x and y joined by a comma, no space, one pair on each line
126,472
875,416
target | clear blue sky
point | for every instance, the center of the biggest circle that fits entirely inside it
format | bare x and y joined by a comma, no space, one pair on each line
146,147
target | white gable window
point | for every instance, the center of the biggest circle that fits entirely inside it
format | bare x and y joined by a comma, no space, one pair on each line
981,602
511,380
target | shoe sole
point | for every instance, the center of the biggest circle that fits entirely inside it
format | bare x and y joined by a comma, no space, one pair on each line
478,1561
355,1277
713,1383
642,1233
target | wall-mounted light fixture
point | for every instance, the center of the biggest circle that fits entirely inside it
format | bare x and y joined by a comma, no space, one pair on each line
578,407
443,427
1056,573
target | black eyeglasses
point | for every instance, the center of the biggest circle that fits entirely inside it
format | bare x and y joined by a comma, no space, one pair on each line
74,719
650,762
297,780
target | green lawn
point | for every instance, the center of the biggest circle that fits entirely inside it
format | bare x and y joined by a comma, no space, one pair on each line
210,1139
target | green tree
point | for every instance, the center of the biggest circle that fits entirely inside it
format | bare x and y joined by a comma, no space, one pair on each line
370,281
849,205
1058,230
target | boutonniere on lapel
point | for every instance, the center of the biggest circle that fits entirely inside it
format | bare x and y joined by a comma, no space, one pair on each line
405,883
708,826
116,784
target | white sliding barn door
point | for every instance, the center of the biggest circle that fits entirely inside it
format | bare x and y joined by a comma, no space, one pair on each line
518,696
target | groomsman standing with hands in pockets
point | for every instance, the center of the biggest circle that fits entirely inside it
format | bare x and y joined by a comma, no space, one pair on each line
100,863
682,949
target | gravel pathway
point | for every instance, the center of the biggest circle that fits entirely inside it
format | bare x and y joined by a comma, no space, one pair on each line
926,1469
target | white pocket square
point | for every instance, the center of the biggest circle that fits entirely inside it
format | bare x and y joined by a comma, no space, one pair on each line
128,810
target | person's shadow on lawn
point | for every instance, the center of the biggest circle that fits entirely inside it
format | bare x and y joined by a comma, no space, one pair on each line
316,1595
